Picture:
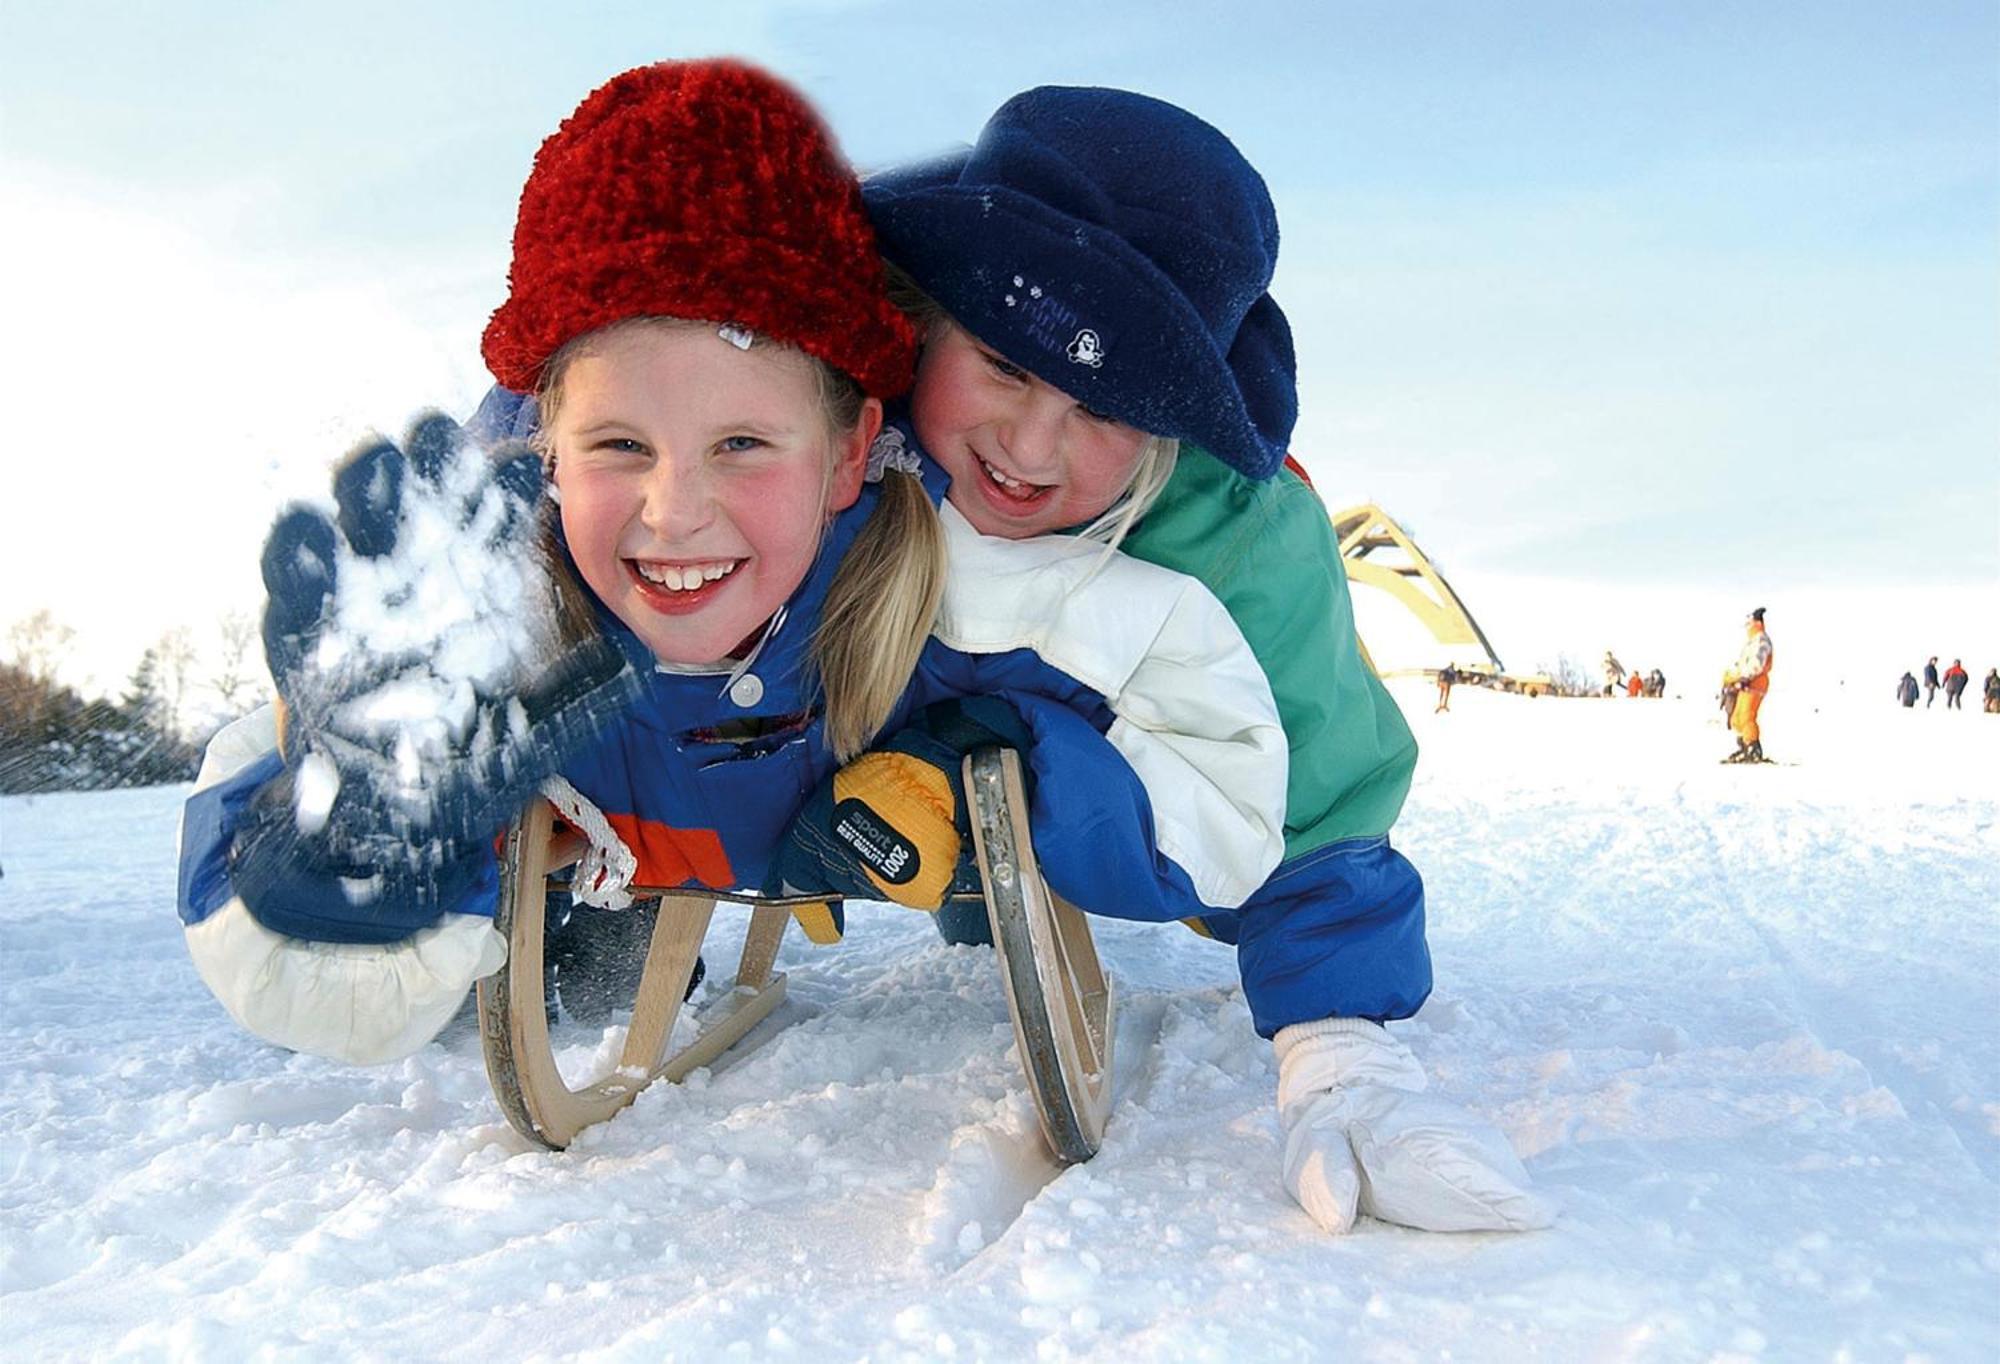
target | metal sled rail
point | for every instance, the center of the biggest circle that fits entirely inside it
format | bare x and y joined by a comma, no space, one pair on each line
1057,990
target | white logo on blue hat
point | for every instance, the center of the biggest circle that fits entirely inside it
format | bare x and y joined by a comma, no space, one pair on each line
1046,321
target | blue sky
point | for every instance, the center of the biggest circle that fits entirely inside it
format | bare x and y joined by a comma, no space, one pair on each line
1696,297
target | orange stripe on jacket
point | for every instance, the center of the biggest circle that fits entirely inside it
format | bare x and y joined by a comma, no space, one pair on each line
675,857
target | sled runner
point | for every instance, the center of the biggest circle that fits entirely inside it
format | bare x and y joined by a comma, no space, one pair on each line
1057,991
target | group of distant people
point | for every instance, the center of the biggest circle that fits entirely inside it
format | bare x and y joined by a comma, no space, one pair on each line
1952,684
1632,683
1747,680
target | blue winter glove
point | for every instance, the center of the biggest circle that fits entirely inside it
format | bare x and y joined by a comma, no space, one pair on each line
304,888
415,641
892,824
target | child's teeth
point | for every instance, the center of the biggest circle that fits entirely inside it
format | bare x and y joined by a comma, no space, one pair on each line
679,578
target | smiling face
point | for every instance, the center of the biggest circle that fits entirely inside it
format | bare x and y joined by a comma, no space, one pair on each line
1024,457
696,480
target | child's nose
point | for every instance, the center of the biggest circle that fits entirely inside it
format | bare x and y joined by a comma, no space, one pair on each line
1033,438
678,499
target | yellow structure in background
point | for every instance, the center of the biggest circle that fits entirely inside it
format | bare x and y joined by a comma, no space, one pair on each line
1380,553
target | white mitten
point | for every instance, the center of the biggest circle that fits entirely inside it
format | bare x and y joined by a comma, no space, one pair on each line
1361,1133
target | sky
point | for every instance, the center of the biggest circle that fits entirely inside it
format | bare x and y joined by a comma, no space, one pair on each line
1636,316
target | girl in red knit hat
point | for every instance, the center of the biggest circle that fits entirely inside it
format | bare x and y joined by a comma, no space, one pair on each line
696,344
697,306
697,463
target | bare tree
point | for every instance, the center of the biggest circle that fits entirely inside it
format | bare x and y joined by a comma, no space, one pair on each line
1569,678
174,654
51,739
237,678
39,643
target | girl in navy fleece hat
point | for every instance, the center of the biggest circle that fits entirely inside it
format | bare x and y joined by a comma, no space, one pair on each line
1101,353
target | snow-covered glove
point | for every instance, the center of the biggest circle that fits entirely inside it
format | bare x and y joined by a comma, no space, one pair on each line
427,686
892,824
1361,1133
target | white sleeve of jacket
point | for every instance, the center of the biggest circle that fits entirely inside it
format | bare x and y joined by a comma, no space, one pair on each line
351,1002
1195,715
1755,660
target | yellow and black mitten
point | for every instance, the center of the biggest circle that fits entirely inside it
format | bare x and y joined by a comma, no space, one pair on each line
892,824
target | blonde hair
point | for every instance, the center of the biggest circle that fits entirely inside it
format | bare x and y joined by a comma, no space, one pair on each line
884,595
1156,459
1149,478
878,613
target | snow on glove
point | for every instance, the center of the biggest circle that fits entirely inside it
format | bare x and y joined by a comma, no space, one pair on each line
892,824
1361,1134
427,686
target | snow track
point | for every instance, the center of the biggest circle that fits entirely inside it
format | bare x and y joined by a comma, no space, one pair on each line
1738,1021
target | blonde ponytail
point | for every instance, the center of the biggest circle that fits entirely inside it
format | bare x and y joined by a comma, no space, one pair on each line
878,614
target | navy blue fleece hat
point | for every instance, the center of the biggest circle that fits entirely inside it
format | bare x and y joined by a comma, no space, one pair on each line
1117,247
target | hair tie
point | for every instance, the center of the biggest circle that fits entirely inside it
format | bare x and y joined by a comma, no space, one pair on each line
889,451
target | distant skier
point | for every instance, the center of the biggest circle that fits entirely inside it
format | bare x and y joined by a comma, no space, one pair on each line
1991,690
1656,685
1447,679
1635,685
1614,673
1747,680
1930,682
1955,678
1906,691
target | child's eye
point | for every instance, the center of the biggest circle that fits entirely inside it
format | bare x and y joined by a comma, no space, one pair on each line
1004,368
737,445
1104,418
623,445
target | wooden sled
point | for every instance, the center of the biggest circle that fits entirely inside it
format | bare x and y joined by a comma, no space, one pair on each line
1057,991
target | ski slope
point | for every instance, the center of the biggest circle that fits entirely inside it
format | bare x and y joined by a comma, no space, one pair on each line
1740,1022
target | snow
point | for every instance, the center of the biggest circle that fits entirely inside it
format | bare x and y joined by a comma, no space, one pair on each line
452,609
1738,1021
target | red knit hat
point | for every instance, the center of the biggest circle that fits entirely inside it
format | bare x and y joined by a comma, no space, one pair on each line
705,190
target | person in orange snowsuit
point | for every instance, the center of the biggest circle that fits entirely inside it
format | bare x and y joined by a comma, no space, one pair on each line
1635,684
1748,679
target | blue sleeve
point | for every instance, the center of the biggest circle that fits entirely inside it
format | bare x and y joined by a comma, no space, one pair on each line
302,902
1091,817
1093,822
1337,932
503,415
208,822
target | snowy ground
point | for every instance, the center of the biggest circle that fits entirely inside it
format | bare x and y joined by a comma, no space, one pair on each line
1741,1022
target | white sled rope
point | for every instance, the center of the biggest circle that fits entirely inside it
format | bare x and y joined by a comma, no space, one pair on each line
604,872
1057,992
